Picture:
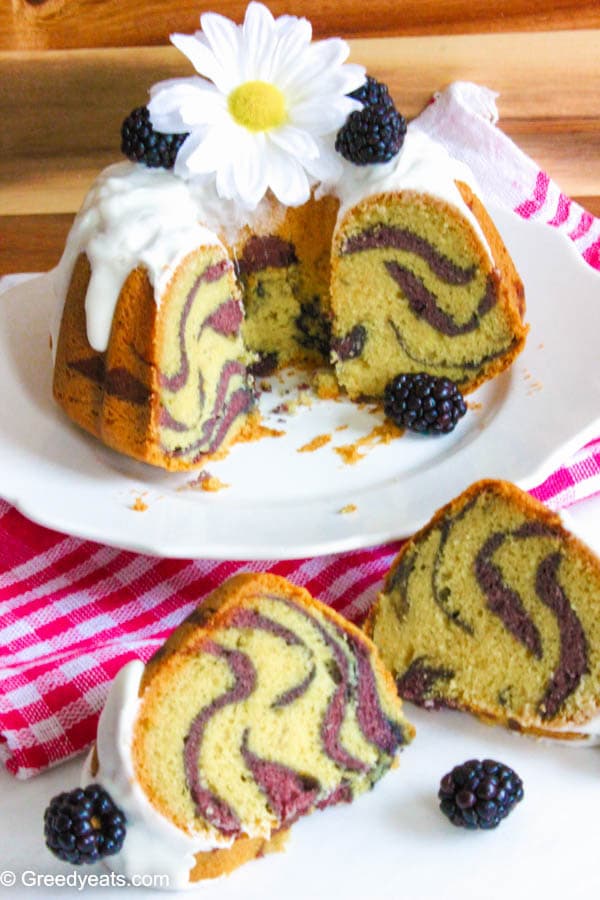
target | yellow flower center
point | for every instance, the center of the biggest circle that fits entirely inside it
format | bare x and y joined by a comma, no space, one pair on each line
257,105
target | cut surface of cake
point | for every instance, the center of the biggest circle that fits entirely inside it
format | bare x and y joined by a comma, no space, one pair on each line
263,706
421,280
179,286
494,608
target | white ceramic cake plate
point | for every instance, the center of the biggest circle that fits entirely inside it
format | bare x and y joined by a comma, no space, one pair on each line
281,503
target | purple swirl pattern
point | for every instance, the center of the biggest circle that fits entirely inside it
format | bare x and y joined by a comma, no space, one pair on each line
422,301
423,681
219,397
352,687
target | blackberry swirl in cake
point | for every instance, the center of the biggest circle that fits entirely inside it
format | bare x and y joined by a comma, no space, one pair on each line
263,706
494,608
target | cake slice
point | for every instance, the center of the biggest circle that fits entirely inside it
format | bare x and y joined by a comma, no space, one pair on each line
263,706
423,283
494,608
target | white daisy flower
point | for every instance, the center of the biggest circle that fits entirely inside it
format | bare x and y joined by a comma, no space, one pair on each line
265,112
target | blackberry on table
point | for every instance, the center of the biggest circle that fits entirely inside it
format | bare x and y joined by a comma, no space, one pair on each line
84,825
425,403
479,794
374,133
141,143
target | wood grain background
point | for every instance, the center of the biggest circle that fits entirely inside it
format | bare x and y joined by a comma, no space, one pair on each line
71,70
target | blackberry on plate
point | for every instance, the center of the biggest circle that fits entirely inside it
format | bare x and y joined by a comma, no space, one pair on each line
84,825
141,143
374,133
479,794
425,403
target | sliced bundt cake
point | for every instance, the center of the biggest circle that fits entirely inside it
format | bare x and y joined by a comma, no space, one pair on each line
494,608
348,238
263,706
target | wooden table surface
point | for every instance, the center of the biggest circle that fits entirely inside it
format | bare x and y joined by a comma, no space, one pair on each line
71,70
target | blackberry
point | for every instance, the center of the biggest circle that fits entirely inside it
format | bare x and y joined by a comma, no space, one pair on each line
423,403
141,143
351,345
374,133
479,794
84,825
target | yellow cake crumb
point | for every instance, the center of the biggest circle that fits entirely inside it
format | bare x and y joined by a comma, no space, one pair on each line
380,434
317,442
348,508
207,482
325,385
138,504
213,484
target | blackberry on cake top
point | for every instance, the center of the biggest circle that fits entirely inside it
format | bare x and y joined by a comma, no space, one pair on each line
375,133
141,143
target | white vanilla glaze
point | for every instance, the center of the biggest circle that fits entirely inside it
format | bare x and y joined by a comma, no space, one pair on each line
134,216
423,166
153,845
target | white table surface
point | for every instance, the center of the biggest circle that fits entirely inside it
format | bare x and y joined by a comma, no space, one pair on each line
393,842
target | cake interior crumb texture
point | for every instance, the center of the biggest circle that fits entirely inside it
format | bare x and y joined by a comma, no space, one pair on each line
495,608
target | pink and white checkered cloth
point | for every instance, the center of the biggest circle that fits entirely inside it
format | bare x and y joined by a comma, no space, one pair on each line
73,612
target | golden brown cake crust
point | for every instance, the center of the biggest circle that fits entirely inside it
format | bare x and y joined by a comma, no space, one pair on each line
114,395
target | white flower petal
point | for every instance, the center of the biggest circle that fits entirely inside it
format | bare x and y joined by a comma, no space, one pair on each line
203,59
260,41
320,117
207,154
182,104
225,182
328,54
250,172
327,166
287,178
294,36
223,37
295,141
188,147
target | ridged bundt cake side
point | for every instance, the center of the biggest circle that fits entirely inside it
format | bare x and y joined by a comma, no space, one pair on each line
494,608
258,710
416,288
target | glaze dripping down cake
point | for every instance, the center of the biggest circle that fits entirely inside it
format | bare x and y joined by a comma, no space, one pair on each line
263,706
180,284
494,608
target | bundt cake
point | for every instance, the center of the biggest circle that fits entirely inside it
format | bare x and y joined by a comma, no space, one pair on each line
372,252
263,706
494,608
